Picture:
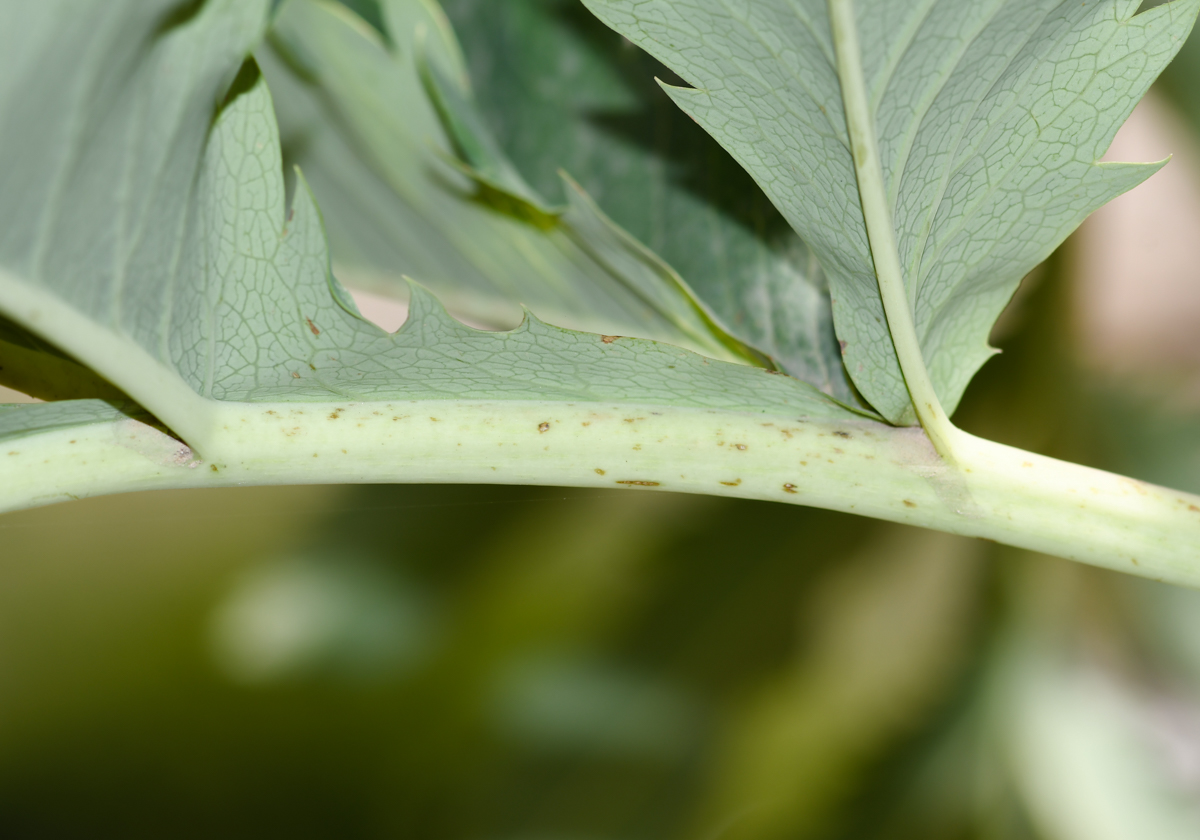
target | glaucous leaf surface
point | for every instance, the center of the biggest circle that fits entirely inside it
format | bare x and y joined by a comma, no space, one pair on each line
990,117
194,282
561,91
357,119
17,420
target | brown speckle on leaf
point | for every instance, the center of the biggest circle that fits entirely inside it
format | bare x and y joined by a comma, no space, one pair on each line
609,339
295,375
312,326
842,347
543,427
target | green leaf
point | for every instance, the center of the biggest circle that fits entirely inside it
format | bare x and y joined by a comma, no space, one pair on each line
989,118
211,290
482,157
559,90
605,242
364,131
25,419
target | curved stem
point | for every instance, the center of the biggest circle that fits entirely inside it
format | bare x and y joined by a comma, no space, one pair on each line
856,466
880,232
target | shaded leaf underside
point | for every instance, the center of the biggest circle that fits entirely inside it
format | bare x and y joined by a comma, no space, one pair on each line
193,282
560,90
357,119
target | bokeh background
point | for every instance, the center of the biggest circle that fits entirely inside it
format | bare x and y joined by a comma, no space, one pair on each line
559,664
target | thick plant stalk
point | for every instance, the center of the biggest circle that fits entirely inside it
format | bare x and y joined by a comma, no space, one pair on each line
993,491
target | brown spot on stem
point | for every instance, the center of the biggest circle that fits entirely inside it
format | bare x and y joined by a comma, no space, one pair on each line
543,427
842,434
740,447
639,483
909,504
599,471
734,483
213,468
789,488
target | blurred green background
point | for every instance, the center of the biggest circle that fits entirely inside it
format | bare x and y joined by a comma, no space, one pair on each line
558,664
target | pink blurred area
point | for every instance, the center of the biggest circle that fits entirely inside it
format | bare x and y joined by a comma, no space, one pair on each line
1137,259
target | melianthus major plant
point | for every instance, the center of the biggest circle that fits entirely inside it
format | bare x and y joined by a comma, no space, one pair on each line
169,289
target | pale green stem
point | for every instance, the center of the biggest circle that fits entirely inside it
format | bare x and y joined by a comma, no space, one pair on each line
862,467
880,232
